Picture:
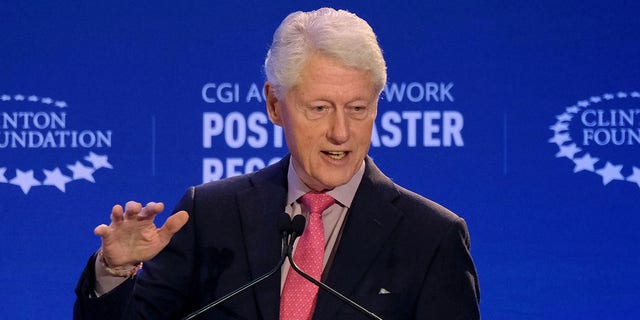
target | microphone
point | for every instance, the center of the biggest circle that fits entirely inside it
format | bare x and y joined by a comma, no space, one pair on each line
285,229
296,229
297,226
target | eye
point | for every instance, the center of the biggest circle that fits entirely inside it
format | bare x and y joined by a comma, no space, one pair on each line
358,112
319,108
317,111
359,108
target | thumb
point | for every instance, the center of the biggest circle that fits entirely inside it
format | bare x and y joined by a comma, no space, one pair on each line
174,223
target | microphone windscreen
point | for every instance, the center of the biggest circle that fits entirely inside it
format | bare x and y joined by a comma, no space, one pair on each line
284,223
297,224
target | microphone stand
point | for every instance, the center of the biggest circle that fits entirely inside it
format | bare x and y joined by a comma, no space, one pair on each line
285,227
290,229
297,232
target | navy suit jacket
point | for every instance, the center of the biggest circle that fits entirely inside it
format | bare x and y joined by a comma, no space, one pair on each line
400,255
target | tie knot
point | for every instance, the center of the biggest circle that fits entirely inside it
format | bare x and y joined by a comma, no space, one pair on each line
317,202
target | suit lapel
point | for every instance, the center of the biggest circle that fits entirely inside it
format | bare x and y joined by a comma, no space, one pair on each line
260,206
370,221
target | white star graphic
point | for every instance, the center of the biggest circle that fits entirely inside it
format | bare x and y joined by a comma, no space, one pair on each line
595,99
98,161
622,94
5,97
55,178
635,177
607,96
25,180
610,172
635,94
586,162
47,100
18,97
564,117
573,109
583,103
2,177
81,172
560,138
60,104
559,126
568,151
32,98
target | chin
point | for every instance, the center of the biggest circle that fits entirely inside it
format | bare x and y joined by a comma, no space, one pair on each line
329,184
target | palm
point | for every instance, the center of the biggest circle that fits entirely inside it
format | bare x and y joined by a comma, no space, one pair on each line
133,236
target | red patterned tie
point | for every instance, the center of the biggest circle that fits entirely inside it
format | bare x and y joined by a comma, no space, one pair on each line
298,298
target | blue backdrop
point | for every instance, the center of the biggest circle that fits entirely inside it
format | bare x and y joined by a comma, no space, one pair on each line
523,118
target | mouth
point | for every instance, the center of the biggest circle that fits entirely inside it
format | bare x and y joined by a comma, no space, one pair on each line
336,155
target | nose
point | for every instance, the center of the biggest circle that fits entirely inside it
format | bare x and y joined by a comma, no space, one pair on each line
338,132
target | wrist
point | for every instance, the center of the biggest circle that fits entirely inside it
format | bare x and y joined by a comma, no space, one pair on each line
124,271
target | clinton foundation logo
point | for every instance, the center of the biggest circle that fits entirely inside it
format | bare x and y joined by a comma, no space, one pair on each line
42,146
601,135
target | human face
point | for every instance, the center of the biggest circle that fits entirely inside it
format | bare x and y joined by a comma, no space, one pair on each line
327,121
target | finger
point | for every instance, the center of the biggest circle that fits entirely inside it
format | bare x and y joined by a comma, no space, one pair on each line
151,210
101,230
117,213
174,223
131,209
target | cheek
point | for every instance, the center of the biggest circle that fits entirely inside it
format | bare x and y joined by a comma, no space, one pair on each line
363,135
308,134
301,143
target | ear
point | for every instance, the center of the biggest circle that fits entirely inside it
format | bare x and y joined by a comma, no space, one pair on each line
273,104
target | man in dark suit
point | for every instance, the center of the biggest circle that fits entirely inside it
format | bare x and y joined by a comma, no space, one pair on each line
394,252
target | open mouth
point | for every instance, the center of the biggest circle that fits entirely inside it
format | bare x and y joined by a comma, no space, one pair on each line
336,155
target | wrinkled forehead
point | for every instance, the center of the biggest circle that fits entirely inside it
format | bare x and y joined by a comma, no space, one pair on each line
319,68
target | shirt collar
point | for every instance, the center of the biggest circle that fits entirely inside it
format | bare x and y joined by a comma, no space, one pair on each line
343,194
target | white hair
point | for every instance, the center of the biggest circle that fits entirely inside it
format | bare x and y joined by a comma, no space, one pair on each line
336,34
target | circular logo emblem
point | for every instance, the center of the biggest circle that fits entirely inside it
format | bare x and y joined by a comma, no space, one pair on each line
43,147
601,135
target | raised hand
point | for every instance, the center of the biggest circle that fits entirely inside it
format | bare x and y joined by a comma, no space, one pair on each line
133,237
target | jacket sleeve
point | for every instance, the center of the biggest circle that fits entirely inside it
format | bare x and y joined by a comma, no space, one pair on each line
108,306
159,291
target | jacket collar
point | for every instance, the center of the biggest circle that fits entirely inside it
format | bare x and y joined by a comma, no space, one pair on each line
260,205
370,221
